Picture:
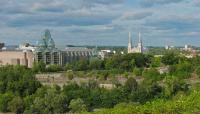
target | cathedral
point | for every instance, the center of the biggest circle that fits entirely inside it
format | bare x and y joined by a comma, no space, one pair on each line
136,49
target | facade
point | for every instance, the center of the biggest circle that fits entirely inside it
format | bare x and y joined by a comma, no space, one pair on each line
72,53
16,57
46,51
136,49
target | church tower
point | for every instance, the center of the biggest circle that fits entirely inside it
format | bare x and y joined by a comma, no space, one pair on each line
129,43
140,46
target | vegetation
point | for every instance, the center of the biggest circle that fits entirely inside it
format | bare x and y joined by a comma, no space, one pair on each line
166,92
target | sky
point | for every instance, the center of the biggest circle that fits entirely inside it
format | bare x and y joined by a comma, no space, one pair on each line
101,22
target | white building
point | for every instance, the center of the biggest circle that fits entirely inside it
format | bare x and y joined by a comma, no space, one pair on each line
26,47
136,49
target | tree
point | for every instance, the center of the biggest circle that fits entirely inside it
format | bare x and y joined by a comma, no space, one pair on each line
82,64
131,84
173,85
96,64
77,105
70,74
16,105
152,74
39,66
53,68
137,71
170,58
4,101
156,62
198,71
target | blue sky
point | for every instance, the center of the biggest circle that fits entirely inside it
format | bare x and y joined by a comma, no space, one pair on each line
101,22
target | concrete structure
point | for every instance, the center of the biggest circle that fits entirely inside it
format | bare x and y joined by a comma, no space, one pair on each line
73,53
136,49
16,58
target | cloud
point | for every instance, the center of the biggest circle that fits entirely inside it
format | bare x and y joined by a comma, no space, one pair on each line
99,20
58,13
178,22
136,15
149,3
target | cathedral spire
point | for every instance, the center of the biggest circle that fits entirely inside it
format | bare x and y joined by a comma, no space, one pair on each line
129,43
140,41
140,46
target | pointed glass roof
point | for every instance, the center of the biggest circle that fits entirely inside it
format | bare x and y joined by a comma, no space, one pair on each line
46,42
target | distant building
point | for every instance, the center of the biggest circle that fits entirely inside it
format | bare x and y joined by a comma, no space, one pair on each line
136,49
73,53
187,48
46,51
1,45
105,53
168,47
188,51
26,46
10,47
16,57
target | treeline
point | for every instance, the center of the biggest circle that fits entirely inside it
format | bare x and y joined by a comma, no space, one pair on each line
120,62
21,93
16,83
144,65
138,64
180,104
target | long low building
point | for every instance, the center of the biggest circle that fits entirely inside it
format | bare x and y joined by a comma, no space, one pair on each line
16,57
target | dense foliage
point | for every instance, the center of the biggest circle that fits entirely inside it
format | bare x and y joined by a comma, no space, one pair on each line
158,92
180,104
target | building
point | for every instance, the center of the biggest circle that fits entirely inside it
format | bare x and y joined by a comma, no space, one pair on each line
74,53
16,57
105,53
26,47
169,47
46,51
1,45
136,49
187,48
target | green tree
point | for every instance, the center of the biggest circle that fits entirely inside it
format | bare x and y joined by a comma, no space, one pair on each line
53,68
198,71
131,84
96,64
82,64
156,62
4,101
152,74
16,105
137,71
39,66
170,58
77,105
